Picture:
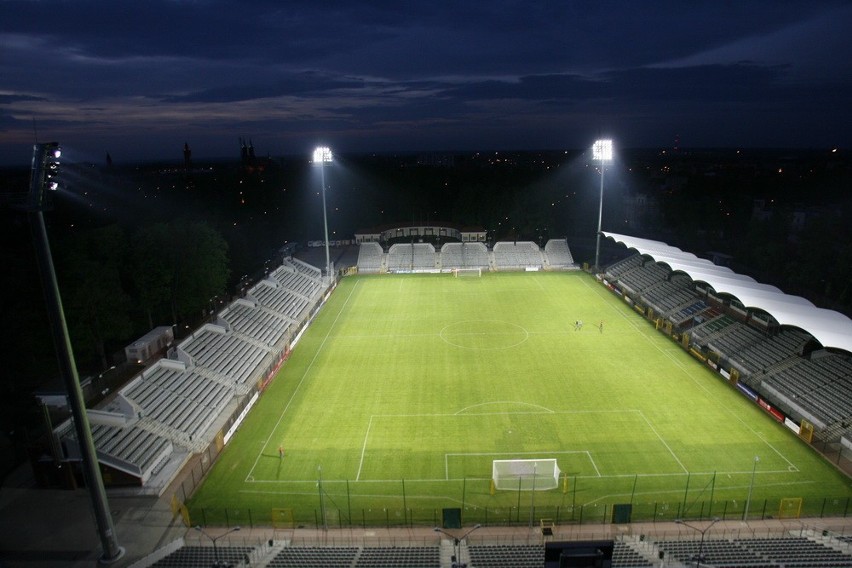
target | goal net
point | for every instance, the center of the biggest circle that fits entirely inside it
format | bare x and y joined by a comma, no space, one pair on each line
525,475
462,272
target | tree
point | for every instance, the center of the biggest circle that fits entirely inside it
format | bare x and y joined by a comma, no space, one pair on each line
201,268
153,269
178,267
95,302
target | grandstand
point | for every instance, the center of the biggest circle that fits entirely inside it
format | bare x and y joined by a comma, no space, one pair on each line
558,254
519,255
729,546
505,256
772,347
176,407
370,258
464,255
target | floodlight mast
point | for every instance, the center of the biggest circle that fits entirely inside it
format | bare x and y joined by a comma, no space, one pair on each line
45,168
322,154
601,150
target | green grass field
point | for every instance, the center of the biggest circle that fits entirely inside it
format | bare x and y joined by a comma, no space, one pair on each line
405,388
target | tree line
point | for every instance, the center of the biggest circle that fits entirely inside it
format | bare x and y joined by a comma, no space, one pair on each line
115,283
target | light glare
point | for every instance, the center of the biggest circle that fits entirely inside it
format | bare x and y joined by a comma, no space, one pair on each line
322,154
602,150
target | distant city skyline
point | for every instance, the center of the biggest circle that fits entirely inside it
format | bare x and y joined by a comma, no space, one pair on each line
138,81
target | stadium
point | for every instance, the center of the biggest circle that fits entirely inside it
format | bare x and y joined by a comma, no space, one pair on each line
495,405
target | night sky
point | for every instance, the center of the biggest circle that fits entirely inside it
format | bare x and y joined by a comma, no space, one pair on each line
138,79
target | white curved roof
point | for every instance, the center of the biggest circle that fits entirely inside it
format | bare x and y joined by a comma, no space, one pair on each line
829,327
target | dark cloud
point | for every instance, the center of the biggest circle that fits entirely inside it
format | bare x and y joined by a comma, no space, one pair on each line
374,70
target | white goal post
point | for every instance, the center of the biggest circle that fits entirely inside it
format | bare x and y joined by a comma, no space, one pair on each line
525,475
475,272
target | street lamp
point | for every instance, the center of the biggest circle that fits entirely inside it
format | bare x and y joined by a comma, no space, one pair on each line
750,487
601,150
213,539
700,556
456,561
45,169
322,154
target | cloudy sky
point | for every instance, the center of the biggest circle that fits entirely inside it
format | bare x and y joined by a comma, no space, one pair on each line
138,79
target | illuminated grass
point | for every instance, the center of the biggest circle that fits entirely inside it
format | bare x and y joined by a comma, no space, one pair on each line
405,388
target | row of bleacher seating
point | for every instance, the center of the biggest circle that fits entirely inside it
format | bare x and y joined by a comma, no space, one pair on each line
761,356
296,281
769,361
464,255
405,257
205,556
757,552
370,258
253,321
134,446
224,353
176,397
667,296
785,552
520,254
558,253
177,402
825,397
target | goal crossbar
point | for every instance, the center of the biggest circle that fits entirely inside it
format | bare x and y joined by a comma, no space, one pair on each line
525,475
460,272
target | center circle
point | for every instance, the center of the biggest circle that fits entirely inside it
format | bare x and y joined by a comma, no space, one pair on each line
484,334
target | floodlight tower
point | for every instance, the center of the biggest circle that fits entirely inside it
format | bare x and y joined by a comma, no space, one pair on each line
45,169
601,150
322,154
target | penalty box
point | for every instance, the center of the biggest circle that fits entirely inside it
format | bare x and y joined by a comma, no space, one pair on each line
455,446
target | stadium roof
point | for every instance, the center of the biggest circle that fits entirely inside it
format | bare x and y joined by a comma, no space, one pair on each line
829,327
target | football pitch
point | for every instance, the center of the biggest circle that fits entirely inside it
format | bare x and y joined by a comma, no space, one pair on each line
405,388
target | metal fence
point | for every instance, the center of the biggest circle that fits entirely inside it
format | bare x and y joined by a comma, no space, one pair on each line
593,514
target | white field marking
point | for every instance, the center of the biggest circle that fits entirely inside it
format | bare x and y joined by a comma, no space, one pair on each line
438,335
302,380
662,441
386,335
545,409
443,498
539,284
433,415
699,384
364,449
546,452
548,411
484,333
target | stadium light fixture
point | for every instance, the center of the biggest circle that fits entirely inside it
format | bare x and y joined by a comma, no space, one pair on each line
700,556
45,169
602,151
750,487
322,155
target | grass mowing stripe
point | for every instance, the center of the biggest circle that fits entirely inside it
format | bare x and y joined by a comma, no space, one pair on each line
296,390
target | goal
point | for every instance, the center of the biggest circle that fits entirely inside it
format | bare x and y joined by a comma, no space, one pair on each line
525,475
463,272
